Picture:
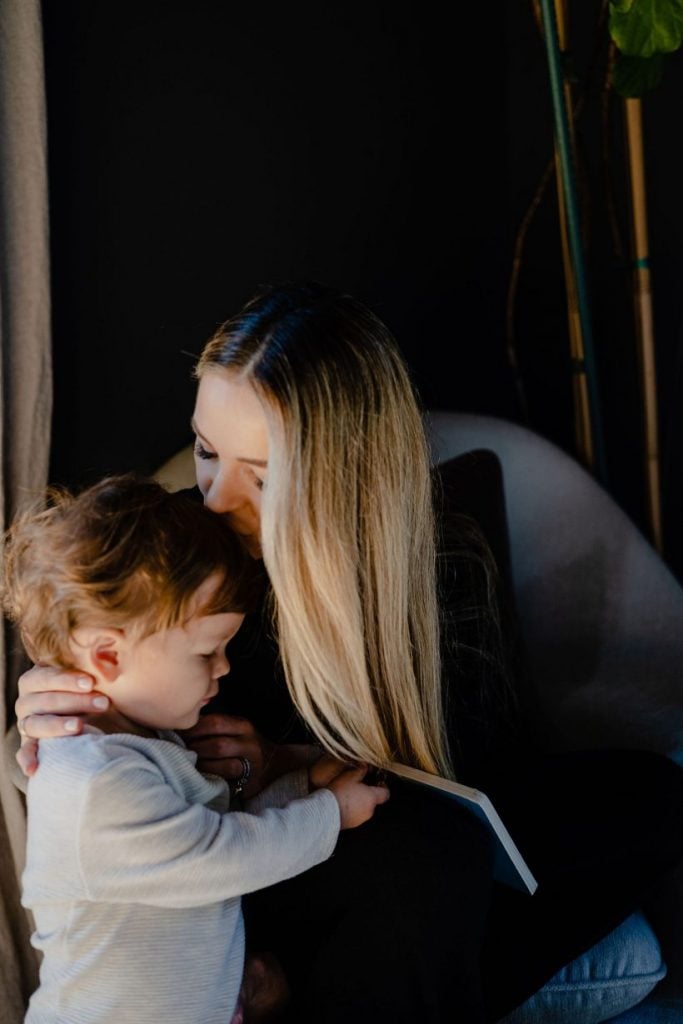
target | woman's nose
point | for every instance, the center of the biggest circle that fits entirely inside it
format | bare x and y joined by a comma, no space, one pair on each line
224,494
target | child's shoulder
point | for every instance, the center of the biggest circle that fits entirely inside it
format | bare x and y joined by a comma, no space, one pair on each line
116,774
97,763
77,759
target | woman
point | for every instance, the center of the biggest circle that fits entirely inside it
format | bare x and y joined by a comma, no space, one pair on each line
309,440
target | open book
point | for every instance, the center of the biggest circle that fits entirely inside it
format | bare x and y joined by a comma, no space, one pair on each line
508,866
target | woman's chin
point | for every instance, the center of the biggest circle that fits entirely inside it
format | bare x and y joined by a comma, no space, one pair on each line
253,546
252,543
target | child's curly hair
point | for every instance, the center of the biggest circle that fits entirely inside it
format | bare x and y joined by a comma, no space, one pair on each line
124,552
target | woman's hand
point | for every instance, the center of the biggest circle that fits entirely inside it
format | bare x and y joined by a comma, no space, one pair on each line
52,702
221,741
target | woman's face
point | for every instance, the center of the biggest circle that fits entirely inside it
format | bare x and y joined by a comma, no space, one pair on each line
231,452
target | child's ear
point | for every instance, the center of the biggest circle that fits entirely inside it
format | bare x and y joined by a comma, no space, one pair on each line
103,648
105,657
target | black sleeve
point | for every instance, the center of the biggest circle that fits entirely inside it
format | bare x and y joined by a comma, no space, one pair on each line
255,688
488,707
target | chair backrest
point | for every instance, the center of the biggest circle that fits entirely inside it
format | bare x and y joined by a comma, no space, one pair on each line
601,617
177,473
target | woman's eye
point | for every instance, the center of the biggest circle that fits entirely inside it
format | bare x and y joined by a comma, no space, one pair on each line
202,452
260,484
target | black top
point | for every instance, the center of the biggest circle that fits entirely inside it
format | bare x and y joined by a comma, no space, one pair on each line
404,923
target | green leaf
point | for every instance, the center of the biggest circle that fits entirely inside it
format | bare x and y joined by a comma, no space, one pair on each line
634,76
622,5
647,26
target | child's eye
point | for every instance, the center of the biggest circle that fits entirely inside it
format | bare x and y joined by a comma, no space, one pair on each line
214,653
202,452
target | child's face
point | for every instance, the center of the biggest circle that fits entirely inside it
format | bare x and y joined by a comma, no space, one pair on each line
169,676
164,680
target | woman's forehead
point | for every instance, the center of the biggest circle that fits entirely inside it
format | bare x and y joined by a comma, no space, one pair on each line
229,412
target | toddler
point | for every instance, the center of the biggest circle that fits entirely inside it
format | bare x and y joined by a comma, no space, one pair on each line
135,866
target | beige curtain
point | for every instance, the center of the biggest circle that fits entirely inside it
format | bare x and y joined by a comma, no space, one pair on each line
26,407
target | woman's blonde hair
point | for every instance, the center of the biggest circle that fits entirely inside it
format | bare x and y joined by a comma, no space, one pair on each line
347,531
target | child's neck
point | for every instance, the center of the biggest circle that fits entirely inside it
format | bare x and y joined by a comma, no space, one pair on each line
115,721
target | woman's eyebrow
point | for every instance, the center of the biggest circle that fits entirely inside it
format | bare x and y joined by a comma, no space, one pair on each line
262,463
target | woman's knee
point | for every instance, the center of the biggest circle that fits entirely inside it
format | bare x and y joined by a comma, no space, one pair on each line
610,978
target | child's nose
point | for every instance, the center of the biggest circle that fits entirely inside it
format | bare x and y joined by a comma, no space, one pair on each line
220,666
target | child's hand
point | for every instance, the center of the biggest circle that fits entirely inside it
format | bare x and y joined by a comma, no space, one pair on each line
356,801
325,769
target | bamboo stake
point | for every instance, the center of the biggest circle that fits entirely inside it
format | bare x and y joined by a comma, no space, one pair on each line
643,312
573,229
582,417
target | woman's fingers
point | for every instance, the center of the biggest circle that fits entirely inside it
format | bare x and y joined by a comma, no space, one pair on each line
216,724
27,756
45,692
44,726
41,678
33,707
224,746
222,741
229,768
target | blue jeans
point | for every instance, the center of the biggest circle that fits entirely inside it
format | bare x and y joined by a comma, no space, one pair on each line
607,980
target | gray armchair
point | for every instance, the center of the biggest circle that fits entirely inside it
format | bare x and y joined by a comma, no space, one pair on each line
601,622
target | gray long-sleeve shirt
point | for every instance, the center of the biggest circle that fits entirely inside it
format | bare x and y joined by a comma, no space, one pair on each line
134,872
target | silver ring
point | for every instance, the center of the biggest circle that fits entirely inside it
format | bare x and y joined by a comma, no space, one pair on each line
244,777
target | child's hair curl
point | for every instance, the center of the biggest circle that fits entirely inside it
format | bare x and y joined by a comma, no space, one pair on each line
123,553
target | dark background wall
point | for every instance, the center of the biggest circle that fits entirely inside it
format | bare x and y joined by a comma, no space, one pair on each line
200,149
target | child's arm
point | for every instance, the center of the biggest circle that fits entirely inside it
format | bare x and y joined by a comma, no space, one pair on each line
292,786
319,771
221,740
140,841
